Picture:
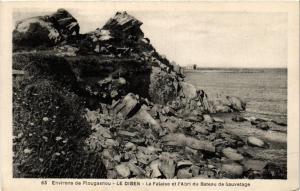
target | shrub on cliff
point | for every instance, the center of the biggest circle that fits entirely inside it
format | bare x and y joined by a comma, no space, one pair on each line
49,133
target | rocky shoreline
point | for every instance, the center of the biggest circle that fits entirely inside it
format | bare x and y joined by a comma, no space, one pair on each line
128,109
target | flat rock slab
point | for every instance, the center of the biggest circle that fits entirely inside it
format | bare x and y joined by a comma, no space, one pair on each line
257,165
123,170
253,141
232,169
232,154
180,139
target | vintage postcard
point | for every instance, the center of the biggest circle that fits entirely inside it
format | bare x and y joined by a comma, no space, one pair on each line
149,95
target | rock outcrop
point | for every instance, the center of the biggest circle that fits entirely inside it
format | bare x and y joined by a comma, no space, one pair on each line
122,60
143,120
45,31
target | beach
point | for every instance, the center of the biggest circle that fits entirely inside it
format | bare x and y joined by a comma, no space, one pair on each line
265,93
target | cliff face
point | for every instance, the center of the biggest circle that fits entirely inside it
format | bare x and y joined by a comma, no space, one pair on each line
107,63
127,105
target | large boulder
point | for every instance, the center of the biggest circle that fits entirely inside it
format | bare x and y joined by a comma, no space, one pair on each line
65,23
233,170
226,104
189,91
232,154
163,86
236,103
36,31
124,25
46,30
254,141
179,139
128,106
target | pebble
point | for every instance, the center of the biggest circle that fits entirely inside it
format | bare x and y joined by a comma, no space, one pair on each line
263,126
27,151
45,119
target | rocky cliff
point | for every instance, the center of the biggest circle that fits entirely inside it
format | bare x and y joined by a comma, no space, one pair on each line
125,104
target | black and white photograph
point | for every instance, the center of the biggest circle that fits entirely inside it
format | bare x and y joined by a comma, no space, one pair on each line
154,92
197,95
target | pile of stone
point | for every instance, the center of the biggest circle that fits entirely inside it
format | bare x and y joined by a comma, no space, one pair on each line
140,139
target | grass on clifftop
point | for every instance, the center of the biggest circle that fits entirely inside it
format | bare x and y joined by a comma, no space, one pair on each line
49,132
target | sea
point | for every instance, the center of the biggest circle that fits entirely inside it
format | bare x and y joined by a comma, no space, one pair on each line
265,93
264,90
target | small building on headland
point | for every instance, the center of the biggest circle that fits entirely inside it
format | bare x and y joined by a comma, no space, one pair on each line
190,67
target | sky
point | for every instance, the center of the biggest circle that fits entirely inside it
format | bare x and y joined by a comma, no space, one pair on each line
207,39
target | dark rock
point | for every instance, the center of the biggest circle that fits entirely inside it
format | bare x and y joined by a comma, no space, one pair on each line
276,127
124,25
254,122
128,106
273,171
46,30
184,163
280,122
263,126
65,22
238,118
